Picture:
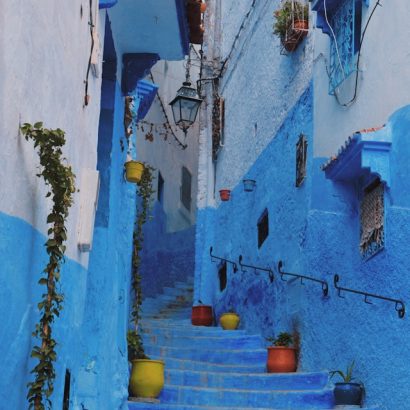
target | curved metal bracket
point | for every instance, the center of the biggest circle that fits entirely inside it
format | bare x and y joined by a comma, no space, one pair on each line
325,286
257,268
234,265
398,304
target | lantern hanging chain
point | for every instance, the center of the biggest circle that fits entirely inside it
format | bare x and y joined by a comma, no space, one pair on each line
183,146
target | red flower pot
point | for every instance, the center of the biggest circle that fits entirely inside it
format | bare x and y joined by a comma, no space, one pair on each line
225,194
281,359
202,315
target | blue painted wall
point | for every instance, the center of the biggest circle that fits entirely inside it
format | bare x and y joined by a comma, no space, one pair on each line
19,295
314,230
166,256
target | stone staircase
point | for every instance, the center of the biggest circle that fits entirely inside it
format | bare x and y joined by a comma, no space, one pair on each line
211,368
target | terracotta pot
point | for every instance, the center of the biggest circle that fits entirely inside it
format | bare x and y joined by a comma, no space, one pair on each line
229,321
202,315
225,194
301,27
203,7
281,359
147,378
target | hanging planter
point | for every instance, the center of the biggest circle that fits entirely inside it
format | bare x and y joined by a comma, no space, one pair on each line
147,378
249,185
225,194
292,23
133,171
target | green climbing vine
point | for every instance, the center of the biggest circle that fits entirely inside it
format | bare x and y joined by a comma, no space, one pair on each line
144,191
59,178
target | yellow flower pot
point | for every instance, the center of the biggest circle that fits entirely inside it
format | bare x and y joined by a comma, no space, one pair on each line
229,321
133,171
147,378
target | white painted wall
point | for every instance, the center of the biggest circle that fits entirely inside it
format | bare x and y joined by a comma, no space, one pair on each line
383,79
166,155
44,51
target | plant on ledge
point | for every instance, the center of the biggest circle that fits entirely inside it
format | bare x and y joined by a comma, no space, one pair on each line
59,178
292,23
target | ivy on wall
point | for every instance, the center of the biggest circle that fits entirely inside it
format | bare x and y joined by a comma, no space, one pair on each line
59,179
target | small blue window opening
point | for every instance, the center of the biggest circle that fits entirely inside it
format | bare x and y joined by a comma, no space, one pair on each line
263,227
345,33
160,190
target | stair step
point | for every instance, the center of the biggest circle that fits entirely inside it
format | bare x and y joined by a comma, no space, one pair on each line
231,341
177,291
183,364
252,381
160,327
228,356
281,399
163,406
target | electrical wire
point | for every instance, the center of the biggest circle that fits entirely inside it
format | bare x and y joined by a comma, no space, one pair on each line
183,146
242,26
91,24
353,99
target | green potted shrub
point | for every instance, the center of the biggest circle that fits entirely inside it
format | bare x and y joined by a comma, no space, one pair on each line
282,355
347,391
292,23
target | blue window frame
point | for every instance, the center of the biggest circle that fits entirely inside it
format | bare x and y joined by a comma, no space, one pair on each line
346,24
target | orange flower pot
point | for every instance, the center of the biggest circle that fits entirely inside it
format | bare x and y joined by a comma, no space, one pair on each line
202,315
225,194
281,359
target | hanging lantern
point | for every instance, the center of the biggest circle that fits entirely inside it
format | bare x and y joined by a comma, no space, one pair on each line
185,106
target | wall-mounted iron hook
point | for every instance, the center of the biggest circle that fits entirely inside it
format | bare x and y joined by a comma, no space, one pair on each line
234,266
398,304
325,286
256,268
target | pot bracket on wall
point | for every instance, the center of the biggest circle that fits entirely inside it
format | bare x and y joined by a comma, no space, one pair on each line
364,156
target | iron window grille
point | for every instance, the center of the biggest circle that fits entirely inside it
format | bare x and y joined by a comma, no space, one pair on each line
301,158
263,227
186,188
372,220
345,22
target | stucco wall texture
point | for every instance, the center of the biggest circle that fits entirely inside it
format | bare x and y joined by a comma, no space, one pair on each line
314,230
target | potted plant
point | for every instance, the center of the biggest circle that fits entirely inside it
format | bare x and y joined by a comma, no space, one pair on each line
133,171
202,315
281,356
249,185
225,194
229,320
347,392
147,376
292,23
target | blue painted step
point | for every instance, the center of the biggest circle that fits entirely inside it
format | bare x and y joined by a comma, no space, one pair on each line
228,342
181,364
252,381
281,399
228,356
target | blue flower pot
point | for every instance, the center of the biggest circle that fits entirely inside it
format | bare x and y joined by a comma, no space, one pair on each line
249,185
348,393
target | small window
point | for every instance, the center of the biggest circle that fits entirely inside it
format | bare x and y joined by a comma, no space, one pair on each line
218,124
160,190
263,227
222,276
301,154
186,188
372,220
346,24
